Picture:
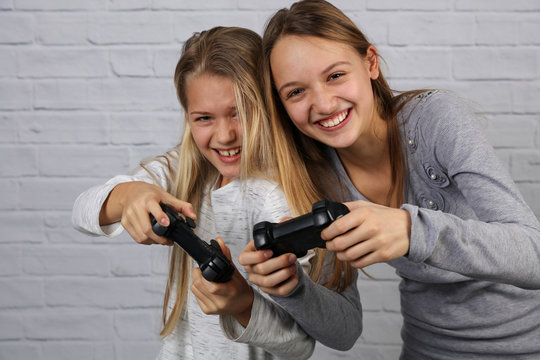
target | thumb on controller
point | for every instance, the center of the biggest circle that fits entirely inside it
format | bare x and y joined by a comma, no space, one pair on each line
224,249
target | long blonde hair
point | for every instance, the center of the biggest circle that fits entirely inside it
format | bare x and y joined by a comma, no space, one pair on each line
234,53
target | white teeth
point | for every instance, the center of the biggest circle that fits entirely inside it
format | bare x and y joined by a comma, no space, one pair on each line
228,152
335,121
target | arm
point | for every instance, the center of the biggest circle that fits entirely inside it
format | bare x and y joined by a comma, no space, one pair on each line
127,200
332,318
479,227
501,240
270,327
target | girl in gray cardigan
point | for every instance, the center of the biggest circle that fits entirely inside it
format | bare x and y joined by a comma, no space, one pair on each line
425,189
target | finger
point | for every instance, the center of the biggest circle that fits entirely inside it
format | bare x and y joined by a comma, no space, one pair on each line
274,264
209,287
285,219
280,283
251,256
273,279
367,260
157,212
250,246
146,224
204,302
352,205
342,225
134,231
284,288
345,241
181,206
356,251
224,249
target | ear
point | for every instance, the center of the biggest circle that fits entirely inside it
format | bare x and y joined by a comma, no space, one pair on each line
372,59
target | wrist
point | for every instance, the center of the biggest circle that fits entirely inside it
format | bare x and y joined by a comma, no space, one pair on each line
244,316
112,208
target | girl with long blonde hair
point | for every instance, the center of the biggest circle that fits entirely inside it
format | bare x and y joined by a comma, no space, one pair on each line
219,175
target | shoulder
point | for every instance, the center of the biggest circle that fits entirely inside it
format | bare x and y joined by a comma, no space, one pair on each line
266,196
260,188
437,117
438,110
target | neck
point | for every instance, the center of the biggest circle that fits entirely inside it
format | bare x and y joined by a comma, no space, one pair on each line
367,163
370,151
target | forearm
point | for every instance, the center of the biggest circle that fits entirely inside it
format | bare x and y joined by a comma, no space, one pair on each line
332,318
494,251
87,210
272,329
111,210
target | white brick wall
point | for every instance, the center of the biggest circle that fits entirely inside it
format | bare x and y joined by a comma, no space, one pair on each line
86,92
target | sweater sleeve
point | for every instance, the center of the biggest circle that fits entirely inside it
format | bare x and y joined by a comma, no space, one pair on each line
332,318
500,241
270,327
87,206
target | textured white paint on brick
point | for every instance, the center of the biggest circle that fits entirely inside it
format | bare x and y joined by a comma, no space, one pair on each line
62,28
86,92
16,29
432,30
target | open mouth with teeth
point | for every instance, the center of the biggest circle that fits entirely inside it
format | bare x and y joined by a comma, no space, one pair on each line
229,155
334,121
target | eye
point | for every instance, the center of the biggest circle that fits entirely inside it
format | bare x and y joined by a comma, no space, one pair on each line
293,93
336,75
203,118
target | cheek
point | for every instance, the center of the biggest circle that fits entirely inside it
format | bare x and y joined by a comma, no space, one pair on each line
239,131
200,137
298,113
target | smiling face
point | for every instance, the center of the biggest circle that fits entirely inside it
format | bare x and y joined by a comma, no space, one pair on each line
215,127
325,87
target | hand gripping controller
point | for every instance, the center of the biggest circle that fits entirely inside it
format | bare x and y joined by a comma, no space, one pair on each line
214,265
300,234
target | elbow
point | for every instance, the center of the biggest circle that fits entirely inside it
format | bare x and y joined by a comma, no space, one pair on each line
302,351
308,353
347,339
350,343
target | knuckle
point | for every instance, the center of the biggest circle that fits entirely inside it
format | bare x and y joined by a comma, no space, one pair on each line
339,243
266,282
339,226
282,291
348,254
372,230
385,255
258,269
206,310
341,256
147,229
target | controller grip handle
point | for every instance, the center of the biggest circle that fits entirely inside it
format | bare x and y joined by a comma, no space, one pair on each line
214,265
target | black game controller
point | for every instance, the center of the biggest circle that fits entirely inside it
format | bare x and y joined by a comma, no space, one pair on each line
214,265
300,234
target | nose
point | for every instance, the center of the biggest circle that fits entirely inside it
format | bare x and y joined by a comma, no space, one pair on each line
226,130
323,101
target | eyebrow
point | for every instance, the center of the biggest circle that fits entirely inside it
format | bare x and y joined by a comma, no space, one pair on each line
325,70
197,112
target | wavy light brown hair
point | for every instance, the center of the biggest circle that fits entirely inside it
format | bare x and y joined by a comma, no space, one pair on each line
303,168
